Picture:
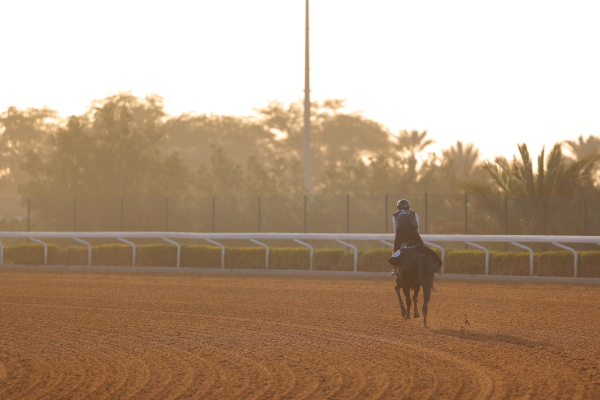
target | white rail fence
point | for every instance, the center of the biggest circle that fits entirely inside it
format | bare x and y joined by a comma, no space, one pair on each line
300,238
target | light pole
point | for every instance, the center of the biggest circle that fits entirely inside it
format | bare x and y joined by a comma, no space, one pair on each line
306,156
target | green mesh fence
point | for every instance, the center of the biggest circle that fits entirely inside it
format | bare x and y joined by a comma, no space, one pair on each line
357,213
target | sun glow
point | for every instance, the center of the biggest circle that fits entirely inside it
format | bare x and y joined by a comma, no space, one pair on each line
495,74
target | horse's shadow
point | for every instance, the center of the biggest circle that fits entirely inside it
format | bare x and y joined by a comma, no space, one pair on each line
484,337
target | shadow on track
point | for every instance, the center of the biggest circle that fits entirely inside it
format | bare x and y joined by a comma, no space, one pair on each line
483,337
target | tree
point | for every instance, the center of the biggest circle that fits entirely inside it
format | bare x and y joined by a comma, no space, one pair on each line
457,165
378,174
462,159
21,131
414,141
335,136
194,136
557,177
111,151
224,177
281,177
286,122
410,144
583,147
349,136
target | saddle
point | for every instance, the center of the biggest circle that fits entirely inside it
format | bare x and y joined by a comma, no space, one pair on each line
407,255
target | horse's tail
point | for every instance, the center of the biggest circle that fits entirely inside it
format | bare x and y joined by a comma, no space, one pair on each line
426,271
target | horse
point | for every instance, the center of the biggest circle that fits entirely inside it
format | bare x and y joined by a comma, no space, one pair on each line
415,272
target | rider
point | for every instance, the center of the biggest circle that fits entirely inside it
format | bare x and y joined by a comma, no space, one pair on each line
406,225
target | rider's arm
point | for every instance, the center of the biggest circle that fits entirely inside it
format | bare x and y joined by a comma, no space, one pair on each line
394,223
417,218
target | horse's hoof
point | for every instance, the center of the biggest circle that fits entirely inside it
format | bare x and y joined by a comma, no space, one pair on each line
403,313
416,315
407,316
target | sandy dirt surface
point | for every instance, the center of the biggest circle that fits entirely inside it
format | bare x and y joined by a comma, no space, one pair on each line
116,336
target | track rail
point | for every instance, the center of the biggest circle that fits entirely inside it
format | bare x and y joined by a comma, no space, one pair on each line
342,238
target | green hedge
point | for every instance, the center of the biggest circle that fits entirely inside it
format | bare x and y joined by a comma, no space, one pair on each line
589,264
375,260
289,258
551,263
118,255
554,263
510,263
198,256
30,253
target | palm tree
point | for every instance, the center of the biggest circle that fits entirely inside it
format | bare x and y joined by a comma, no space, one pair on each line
557,176
583,147
462,159
413,143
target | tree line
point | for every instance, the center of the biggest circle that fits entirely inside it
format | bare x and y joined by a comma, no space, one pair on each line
127,146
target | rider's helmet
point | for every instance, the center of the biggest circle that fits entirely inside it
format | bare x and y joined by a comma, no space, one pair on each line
403,204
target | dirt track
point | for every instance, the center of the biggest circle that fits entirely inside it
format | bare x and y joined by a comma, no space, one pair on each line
83,335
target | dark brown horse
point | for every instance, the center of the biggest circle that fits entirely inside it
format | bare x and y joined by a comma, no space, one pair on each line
415,270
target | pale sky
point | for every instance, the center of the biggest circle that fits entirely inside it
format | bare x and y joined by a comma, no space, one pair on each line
492,73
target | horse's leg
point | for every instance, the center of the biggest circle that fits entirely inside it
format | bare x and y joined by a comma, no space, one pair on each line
416,299
406,291
425,308
402,309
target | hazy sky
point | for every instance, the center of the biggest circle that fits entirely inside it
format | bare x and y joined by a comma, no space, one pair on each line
493,73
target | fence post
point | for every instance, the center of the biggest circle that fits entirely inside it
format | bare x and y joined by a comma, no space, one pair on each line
466,216
29,214
466,220
385,210
266,251
487,255
166,214
213,215
585,218
45,248
305,215
121,214
426,213
89,250
259,214
585,246
544,221
347,213
134,249
222,251
531,256
348,217
355,250
575,256
312,251
74,215
505,221
544,217
178,250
